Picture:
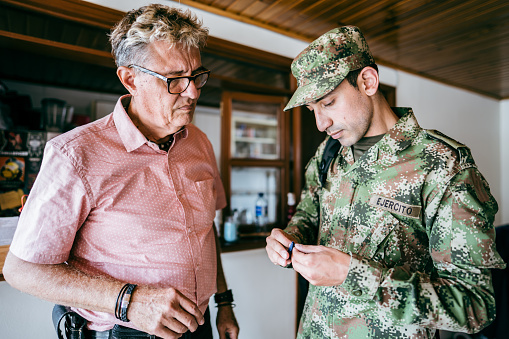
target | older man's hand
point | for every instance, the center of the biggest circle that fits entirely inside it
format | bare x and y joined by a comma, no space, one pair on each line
164,312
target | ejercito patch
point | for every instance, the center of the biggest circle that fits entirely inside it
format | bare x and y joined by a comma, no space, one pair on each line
395,206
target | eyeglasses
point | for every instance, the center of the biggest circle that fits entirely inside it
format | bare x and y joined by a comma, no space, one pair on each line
178,85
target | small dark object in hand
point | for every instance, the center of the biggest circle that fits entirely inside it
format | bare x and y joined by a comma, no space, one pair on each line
290,249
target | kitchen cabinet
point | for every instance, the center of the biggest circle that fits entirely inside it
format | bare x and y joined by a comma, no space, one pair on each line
256,157
255,135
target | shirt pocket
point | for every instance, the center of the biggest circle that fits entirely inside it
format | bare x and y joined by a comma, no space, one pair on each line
370,246
207,197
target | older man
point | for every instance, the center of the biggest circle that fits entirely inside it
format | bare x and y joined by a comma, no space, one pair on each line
394,230
119,224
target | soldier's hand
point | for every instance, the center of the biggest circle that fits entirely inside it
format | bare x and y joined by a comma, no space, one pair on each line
164,312
277,247
320,265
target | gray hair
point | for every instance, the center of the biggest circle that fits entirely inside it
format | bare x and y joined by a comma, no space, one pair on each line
139,27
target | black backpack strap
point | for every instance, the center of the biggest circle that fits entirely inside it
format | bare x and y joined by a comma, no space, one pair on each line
331,149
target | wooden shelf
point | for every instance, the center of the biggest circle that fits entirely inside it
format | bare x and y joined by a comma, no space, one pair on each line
252,121
249,239
60,50
256,140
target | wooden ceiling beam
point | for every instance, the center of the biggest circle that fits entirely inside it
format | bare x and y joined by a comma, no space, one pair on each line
241,18
311,20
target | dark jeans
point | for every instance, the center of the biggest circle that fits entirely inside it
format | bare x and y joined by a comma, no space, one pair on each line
203,332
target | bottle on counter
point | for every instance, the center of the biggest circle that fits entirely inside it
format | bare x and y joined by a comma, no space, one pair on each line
231,227
261,212
291,206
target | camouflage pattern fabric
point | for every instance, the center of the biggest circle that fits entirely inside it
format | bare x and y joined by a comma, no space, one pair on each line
325,63
416,216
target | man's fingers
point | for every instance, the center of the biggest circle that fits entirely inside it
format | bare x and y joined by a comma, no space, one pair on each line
297,258
276,251
187,313
308,248
164,312
181,314
183,321
188,307
277,247
173,327
280,236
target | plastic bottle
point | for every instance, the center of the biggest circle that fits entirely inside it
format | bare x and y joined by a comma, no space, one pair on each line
261,212
231,228
291,206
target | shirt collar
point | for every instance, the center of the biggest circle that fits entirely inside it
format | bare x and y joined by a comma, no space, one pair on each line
399,137
131,137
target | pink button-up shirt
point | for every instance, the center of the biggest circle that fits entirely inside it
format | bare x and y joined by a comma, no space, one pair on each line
110,202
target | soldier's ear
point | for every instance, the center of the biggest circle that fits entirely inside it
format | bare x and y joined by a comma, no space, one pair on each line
368,81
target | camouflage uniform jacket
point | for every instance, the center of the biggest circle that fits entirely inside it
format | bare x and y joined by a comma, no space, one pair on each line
416,216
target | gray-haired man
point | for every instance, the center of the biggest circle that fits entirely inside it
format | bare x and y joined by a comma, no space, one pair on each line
119,224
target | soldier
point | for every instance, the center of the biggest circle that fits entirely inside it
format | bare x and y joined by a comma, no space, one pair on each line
396,236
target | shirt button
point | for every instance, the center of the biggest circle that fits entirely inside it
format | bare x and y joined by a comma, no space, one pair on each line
357,293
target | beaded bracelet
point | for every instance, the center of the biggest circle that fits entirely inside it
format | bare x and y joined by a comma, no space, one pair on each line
123,300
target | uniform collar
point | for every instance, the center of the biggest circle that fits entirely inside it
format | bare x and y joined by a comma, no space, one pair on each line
399,137
402,134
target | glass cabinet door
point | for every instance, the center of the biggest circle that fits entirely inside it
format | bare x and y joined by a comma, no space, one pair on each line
254,130
247,184
255,155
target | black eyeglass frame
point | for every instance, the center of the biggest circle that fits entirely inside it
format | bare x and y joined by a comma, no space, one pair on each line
169,80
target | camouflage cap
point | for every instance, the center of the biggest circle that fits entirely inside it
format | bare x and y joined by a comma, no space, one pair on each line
322,66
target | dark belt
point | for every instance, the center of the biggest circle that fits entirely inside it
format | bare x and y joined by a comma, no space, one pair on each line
75,328
118,332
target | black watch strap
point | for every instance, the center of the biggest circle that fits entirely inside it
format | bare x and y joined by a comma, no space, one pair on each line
225,297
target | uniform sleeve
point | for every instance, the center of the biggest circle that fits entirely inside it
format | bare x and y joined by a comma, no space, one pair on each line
458,294
306,220
57,206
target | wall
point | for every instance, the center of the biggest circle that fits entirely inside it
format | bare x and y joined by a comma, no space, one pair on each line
24,316
264,295
83,101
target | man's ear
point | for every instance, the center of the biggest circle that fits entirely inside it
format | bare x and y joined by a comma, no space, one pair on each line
126,76
368,80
